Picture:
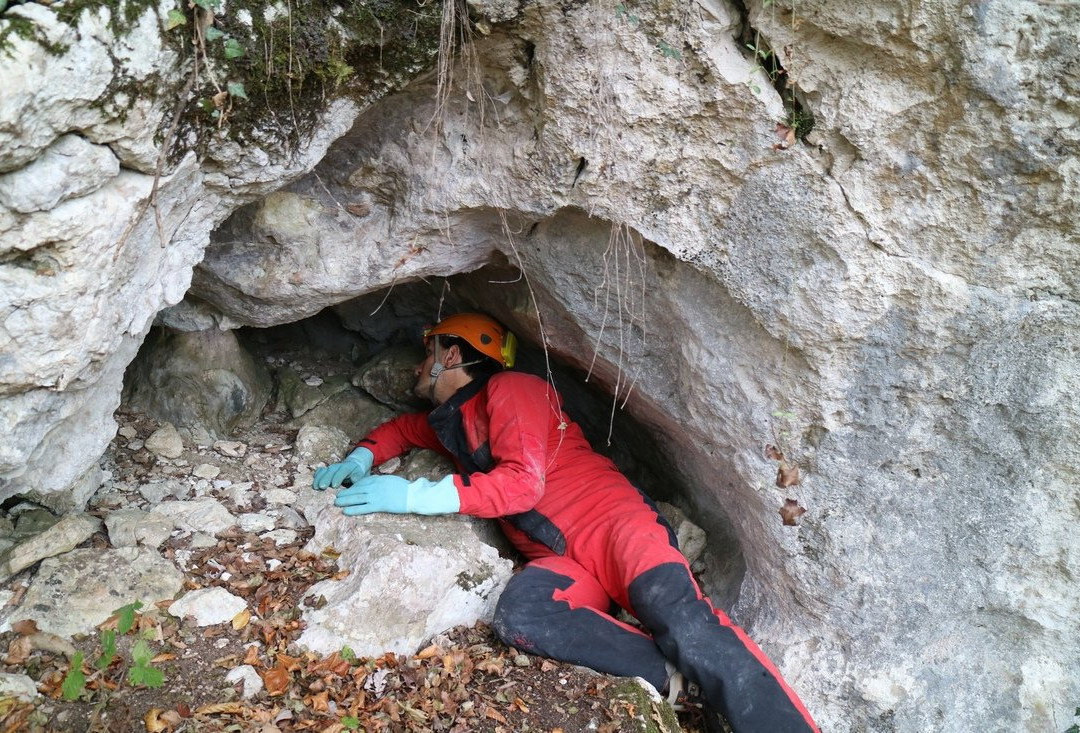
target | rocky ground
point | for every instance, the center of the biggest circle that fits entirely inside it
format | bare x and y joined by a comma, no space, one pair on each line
210,532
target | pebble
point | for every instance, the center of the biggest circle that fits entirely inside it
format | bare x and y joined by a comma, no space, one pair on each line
206,470
231,448
208,606
313,380
255,522
135,445
165,442
253,683
280,537
200,540
522,661
279,496
128,432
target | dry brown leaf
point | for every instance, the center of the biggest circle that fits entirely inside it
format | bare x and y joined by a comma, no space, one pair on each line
331,553
520,704
277,680
427,652
773,453
19,650
320,703
153,721
787,475
291,663
791,511
333,728
25,627
252,656
183,710
786,136
241,619
221,708
163,657
495,715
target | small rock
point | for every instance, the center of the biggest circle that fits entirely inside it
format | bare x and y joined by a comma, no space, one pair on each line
281,537
135,445
522,661
130,527
279,496
62,537
287,517
253,683
231,448
128,432
165,442
200,540
256,522
313,380
19,686
33,522
222,483
208,606
315,444
197,515
240,494
206,470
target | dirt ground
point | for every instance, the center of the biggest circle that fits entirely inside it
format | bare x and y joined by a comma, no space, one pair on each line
465,680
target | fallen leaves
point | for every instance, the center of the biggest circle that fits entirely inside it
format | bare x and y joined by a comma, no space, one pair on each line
785,136
277,680
787,474
241,619
790,512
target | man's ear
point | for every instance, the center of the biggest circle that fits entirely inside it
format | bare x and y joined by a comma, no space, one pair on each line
452,356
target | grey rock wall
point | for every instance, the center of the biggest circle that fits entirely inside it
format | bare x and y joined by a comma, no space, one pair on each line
892,301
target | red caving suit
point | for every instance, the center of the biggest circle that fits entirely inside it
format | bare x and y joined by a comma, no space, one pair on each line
591,539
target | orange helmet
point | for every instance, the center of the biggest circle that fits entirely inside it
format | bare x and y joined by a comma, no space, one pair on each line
483,333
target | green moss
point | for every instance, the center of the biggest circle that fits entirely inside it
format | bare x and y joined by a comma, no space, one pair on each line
14,26
123,14
647,710
292,67
469,581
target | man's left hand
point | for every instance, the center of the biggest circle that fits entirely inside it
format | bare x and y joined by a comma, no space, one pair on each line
396,495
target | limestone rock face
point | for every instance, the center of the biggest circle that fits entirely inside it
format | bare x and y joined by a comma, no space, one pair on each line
890,301
73,593
440,576
85,261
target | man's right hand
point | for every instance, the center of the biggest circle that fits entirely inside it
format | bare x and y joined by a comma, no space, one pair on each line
356,466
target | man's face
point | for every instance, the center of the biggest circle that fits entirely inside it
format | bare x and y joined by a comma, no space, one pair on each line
422,388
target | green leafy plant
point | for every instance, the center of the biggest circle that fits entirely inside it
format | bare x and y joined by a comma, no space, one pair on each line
125,617
141,673
74,681
175,19
350,722
108,649
348,654
233,49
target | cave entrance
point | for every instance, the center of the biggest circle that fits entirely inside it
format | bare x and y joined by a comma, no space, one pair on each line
325,368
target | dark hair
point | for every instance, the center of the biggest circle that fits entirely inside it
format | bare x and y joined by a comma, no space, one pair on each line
485,366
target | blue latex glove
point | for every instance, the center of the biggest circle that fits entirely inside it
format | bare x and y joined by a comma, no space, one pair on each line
400,496
355,466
